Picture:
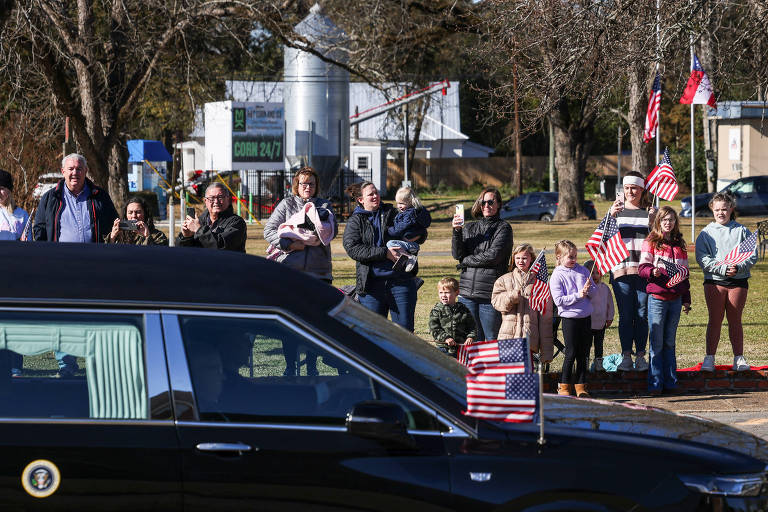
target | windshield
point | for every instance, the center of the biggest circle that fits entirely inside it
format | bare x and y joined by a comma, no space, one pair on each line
439,368
741,187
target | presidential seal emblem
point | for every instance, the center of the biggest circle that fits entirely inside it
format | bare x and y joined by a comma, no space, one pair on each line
40,478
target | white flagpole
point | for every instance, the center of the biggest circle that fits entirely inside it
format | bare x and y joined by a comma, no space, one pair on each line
541,439
693,167
658,113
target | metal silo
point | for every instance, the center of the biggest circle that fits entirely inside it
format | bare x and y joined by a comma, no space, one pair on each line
316,100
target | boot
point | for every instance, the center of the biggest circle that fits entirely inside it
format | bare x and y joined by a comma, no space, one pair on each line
563,389
581,391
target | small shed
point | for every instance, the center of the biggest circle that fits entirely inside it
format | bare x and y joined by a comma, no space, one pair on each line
140,174
742,140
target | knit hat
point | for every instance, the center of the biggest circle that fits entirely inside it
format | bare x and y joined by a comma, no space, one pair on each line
6,180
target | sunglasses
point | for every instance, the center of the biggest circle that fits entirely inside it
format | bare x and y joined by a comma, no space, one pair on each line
489,202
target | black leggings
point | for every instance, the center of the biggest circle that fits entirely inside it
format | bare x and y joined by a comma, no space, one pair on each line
577,333
598,335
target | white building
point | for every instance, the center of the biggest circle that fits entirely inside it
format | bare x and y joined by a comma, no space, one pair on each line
372,142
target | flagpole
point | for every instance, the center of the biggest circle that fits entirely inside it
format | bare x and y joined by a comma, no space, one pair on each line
658,114
541,440
693,168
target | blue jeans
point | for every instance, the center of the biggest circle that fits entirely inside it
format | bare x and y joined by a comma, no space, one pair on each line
632,300
410,247
487,319
663,317
396,297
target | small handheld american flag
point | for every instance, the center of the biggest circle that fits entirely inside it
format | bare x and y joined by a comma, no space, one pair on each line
606,246
652,114
661,181
741,252
676,273
540,291
502,356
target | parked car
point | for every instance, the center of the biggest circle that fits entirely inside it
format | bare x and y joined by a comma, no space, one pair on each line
751,198
45,182
182,403
538,206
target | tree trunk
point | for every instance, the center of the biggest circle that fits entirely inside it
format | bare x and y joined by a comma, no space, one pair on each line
643,159
573,142
118,176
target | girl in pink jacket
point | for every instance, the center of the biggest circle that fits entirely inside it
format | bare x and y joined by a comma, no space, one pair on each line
664,266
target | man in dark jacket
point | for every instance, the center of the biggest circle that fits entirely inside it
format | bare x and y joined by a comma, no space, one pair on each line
218,227
75,210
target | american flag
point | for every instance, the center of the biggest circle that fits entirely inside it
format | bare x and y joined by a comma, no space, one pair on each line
676,273
741,252
652,115
499,357
502,397
662,181
26,234
540,291
605,246
461,353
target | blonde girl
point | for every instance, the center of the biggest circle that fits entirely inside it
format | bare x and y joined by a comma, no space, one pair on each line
510,297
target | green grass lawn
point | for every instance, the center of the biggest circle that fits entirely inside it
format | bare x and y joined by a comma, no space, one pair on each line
436,262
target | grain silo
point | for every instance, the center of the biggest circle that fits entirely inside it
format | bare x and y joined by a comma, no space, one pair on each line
316,100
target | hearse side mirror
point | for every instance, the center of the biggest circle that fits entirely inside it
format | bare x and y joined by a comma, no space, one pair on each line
383,421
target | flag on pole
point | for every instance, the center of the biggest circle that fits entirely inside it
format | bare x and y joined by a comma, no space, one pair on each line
741,252
502,397
661,181
699,89
540,291
605,246
676,273
652,114
502,356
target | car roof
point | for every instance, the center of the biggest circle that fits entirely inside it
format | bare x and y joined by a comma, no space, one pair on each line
113,273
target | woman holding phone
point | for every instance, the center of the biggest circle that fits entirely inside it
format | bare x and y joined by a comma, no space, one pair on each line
138,228
483,249
634,214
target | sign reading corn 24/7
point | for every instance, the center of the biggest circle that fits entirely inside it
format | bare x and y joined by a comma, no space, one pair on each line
257,132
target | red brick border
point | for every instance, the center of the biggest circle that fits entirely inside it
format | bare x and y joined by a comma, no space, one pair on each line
692,382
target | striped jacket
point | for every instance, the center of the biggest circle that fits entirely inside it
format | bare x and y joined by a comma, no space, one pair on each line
633,226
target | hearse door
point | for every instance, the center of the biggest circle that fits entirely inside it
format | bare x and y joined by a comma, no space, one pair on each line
97,434
262,426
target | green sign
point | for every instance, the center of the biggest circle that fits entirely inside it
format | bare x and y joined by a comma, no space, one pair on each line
238,119
261,148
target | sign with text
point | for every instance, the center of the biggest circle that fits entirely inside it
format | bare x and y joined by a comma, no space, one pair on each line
257,132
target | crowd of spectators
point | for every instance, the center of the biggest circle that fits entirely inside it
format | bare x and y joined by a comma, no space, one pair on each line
491,298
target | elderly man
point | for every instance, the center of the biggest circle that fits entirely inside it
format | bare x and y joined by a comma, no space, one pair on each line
75,210
216,228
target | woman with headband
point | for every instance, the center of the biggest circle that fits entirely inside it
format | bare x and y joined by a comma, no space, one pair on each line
634,214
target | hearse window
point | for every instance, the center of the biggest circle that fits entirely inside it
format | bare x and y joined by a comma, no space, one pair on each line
105,377
260,370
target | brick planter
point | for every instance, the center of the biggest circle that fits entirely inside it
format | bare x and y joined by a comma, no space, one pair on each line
605,383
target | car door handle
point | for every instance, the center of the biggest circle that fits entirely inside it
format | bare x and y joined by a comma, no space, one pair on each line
225,447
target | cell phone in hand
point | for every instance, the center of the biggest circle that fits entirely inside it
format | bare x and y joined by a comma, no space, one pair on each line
620,193
128,225
191,212
460,212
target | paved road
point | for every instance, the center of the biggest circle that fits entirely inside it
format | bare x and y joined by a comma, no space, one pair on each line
747,410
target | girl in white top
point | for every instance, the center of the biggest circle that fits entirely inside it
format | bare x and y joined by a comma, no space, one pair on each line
12,218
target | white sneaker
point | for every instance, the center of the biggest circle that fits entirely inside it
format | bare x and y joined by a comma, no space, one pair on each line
740,364
709,364
411,263
641,364
626,364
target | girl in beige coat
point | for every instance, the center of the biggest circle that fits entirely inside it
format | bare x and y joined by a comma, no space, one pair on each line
510,297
